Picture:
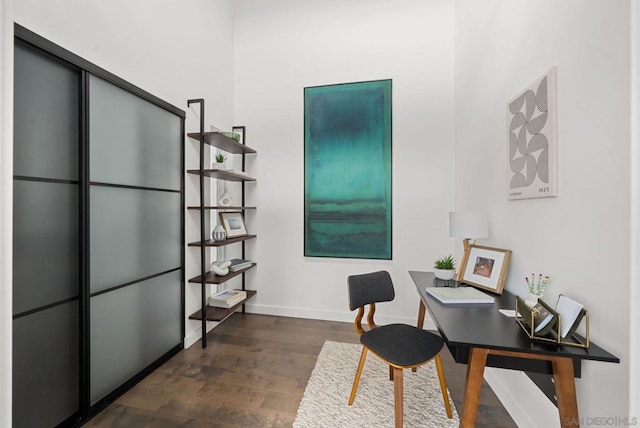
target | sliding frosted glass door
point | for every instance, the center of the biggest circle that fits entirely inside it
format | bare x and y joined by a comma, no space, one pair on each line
135,229
98,258
46,252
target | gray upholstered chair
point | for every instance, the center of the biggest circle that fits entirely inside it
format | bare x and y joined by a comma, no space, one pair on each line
401,346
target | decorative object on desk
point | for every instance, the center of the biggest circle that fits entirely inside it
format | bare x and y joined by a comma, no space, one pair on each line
218,233
219,163
536,288
444,267
468,225
460,295
570,312
486,268
532,140
323,403
224,200
233,223
220,268
347,170
543,319
561,322
227,298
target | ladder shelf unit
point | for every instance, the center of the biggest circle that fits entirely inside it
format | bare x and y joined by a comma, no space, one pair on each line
221,142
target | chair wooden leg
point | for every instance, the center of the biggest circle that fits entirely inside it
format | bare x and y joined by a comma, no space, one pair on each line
390,372
356,381
398,393
443,386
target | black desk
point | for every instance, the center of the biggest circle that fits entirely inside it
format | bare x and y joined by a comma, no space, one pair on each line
479,336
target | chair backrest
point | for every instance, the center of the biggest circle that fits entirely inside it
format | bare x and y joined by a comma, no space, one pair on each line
370,288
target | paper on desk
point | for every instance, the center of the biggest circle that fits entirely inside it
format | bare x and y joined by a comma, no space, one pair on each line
508,312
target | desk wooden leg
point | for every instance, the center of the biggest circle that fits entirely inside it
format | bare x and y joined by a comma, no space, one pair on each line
565,391
475,371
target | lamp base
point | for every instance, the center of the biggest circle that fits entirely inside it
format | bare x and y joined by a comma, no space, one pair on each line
465,258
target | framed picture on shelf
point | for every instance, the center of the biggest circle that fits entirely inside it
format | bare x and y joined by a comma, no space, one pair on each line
233,223
486,268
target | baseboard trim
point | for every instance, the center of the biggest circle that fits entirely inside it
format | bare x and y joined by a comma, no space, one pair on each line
196,335
318,314
315,314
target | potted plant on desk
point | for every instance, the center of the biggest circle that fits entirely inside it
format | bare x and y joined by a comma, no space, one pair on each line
444,267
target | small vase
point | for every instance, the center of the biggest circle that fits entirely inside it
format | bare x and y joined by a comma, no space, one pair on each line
218,233
218,165
532,300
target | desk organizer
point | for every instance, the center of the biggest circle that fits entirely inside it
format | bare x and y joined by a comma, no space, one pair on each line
551,332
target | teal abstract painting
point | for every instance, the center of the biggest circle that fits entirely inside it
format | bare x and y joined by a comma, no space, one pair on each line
347,170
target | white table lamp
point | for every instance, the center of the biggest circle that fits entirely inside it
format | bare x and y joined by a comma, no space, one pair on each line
468,225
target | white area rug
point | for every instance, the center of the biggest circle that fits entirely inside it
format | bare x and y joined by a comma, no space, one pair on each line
324,403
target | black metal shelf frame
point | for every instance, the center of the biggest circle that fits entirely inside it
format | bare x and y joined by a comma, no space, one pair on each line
207,138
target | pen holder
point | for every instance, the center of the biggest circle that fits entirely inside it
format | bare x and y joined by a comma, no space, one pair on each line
550,333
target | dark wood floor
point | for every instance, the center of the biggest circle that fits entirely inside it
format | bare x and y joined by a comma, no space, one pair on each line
252,374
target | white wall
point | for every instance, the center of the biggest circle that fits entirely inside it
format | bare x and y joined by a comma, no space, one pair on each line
634,340
285,45
174,50
582,237
6,208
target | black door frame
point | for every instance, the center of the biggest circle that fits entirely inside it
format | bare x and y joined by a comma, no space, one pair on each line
31,40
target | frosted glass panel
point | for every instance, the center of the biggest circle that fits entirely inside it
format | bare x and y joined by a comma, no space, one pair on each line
45,244
46,367
130,328
46,117
134,234
133,142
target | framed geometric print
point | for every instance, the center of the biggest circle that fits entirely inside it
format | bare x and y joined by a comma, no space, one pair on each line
532,141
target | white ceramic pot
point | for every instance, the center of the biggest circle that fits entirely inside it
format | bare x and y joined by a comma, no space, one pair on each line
445,274
217,165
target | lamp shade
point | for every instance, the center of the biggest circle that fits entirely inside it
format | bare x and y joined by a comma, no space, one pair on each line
469,224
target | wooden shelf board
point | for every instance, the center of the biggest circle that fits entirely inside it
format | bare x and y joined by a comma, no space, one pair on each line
222,142
219,314
212,278
212,243
221,174
219,208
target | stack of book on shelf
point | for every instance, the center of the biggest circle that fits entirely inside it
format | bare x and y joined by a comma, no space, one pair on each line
227,298
239,264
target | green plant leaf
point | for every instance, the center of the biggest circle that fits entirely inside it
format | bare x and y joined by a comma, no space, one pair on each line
445,262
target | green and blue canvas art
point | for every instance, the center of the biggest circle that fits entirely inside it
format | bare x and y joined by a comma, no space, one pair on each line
347,170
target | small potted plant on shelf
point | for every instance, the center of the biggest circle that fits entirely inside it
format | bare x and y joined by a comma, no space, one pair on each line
444,267
219,163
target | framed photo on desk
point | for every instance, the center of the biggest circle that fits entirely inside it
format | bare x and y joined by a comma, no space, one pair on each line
486,268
